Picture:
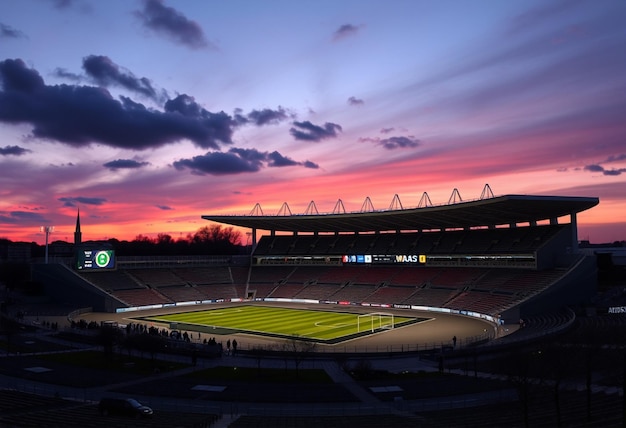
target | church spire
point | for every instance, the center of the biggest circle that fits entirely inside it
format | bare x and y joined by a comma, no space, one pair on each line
78,236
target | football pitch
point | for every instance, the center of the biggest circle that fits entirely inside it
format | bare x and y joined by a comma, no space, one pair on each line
319,326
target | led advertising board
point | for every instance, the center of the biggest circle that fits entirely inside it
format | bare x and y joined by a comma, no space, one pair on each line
382,259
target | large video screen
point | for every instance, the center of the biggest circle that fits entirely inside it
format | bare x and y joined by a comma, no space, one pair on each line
95,259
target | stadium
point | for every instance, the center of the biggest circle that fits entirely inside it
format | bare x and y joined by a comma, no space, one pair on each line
488,275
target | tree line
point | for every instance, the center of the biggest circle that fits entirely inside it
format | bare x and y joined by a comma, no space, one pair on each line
207,240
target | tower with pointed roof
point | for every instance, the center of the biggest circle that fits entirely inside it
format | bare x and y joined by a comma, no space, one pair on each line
78,236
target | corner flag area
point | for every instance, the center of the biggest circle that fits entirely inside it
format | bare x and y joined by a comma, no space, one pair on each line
319,326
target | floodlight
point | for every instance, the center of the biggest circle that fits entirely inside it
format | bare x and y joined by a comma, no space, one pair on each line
47,230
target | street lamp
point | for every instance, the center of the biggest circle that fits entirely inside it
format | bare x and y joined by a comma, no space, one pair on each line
48,230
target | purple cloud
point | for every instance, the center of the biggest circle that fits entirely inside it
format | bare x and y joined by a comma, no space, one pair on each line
13,150
600,168
124,164
23,218
81,115
353,101
8,32
71,202
105,72
237,161
262,117
65,74
393,143
307,131
168,21
344,31
616,158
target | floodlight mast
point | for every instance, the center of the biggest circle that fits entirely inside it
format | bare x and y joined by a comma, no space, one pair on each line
47,230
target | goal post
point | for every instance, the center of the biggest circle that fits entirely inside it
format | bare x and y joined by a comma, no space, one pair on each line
374,321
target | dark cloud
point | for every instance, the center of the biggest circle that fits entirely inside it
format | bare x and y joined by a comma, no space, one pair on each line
309,164
81,115
277,160
600,168
614,171
616,158
71,202
105,72
218,163
124,164
23,217
309,132
8,32
268,116
13,150
62,4
237,161
164,207
65,74
345,31
399,142
386,130
353,101
393,143
262,117
166,20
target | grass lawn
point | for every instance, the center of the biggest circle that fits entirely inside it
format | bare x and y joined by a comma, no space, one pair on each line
319,326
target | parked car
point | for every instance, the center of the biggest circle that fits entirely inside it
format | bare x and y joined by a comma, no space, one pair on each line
123,407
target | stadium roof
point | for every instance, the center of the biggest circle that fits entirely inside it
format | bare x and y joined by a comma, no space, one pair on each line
500,210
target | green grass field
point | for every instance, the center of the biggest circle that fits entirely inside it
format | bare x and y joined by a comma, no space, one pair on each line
319,326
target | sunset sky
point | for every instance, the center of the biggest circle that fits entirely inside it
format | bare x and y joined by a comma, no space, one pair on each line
146,115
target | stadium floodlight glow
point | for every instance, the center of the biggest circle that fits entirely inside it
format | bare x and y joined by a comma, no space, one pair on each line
48,230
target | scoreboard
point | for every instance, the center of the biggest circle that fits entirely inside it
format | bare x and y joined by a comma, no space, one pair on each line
95,259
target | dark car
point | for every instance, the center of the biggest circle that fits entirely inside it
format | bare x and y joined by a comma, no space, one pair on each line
123,407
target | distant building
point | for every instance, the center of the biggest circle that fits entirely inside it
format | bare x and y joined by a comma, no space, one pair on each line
16,252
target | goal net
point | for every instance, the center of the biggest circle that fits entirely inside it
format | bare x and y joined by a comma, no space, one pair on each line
375,321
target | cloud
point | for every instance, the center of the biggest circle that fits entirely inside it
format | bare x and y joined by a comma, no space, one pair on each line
62,4
71,202
105,72
353,101
600,168
386,130
65,74
344,31
13,150
218,163
262,117
22,217
310,132
237,161
393,143
80,115
168,21
278,160
124,164
616,158
80,5
8,32
164,207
